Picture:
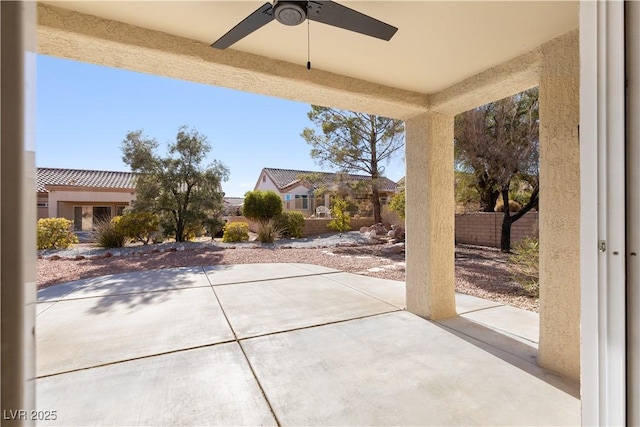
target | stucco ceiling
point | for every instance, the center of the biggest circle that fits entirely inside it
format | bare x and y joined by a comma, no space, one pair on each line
438,43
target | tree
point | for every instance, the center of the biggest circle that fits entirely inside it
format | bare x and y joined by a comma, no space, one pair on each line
341,220
178,187
263,207
397,203
497,143
354,142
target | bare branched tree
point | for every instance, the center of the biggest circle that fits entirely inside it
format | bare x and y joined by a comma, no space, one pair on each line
497,143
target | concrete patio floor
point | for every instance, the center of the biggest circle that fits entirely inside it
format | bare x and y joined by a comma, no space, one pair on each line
284,344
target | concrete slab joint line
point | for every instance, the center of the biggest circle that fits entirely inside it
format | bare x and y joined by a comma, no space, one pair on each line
290,349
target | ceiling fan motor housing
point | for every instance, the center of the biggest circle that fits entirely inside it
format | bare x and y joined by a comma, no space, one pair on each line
290,12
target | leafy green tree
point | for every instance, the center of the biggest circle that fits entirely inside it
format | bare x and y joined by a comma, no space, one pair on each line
178,187
263,207
398,200
139,226
354,142
397,204
341,220
498,142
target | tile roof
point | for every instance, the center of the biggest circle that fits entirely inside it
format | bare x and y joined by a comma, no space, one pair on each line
233,201
286,177
83,178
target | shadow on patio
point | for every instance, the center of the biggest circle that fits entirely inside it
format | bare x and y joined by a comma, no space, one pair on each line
286,344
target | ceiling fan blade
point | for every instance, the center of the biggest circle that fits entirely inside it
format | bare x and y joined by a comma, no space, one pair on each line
257,19
335,14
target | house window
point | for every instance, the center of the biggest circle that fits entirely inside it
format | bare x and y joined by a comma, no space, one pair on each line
43,204
264,178
302,201
120,210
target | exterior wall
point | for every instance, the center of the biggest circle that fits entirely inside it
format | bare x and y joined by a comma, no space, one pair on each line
390,216
265,183
43,212
559,348
316,226
484,228
95,197
312,226
430,207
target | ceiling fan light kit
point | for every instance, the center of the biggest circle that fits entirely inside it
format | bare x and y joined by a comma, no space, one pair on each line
296,12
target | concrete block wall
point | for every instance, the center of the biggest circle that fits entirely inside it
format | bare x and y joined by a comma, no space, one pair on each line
312,226
316,226
484,228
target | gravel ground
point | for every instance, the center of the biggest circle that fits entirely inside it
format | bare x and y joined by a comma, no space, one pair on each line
480,271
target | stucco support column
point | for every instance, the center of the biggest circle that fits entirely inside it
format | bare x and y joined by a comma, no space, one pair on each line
559,346
17,212
430,216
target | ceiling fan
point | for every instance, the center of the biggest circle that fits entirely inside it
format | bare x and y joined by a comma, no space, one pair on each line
296,12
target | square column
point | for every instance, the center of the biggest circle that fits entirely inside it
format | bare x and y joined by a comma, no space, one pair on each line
430,216
559,346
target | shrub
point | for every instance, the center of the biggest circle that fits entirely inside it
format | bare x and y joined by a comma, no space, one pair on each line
108,233
262,205
139,226
525,265
397,204
513,206
55,233
214,226
267,231
236,232
290,224
341,221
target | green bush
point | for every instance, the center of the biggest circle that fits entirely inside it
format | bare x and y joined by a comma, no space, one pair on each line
236,232
109,234
525,265
397,204
290,224
341,220
214,226
55,233
139,226
262,205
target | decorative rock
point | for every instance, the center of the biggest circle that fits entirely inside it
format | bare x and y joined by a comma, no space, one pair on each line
54,257
156,251
79,257
117,254
108,255
394,249
180,248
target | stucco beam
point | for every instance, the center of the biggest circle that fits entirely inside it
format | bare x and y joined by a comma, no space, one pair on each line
73,35
511,77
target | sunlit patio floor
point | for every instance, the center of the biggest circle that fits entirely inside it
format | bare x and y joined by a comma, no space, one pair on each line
284,344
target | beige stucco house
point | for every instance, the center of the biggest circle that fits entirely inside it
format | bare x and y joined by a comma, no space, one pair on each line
298,193
83,196
447,57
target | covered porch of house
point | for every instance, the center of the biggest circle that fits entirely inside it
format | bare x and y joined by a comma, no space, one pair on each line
284,344
548,56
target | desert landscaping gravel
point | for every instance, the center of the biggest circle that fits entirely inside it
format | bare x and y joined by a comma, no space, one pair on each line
481,272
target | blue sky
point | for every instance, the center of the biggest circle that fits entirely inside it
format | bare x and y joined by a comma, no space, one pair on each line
83,112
